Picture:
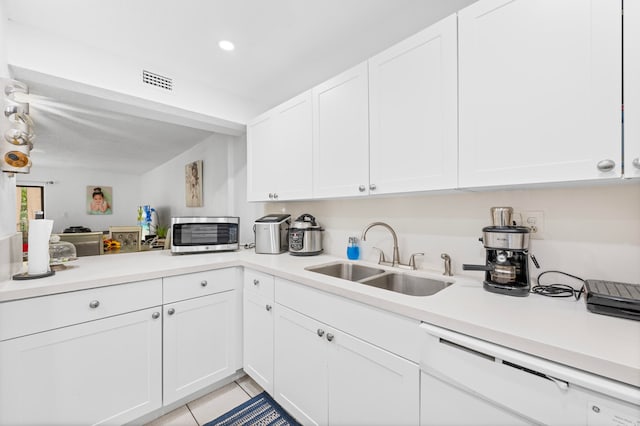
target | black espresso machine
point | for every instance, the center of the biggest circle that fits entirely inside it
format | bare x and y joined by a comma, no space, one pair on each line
507,255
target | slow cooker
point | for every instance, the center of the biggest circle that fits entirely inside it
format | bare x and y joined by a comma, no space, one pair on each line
305,236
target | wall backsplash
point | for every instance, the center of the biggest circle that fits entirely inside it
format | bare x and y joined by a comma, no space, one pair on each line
590,231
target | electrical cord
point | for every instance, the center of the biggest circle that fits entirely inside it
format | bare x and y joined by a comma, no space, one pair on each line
558,290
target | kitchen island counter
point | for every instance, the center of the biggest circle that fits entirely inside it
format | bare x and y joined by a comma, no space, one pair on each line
557,329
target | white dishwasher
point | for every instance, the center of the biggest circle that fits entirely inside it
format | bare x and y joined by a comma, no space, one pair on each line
467,381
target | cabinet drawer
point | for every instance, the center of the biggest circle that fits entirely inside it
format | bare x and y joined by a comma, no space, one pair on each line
198,284
392,332
259,283
28,316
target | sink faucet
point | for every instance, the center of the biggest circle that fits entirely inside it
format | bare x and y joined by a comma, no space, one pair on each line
396,254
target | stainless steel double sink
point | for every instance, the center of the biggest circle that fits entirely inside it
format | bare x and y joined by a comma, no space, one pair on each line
411,285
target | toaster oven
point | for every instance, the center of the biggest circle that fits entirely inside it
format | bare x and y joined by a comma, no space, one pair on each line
197,234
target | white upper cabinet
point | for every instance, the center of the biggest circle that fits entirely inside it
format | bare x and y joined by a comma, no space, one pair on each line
413,112
279,164
539,91
632,88
341,135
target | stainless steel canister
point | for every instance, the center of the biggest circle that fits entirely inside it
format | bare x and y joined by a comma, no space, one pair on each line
501,216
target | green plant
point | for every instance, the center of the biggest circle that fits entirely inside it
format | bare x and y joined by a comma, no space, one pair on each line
161,231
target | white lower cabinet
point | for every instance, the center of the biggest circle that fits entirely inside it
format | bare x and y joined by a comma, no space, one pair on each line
198,344
301,380
258,328
325,376
106,371
201,334
111,355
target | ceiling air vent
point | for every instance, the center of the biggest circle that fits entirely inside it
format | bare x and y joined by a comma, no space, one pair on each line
157,80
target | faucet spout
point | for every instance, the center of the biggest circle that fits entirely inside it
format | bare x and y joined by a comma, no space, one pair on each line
396,252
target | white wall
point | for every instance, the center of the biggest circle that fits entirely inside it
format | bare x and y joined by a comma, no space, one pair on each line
224,184
164,186
591,231
65,199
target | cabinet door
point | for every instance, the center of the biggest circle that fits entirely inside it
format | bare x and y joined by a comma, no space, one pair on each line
104,371
413,112
258,339
301,366
539,86
261,177
291,158
279,149
198,343
341,135
368,385
632,88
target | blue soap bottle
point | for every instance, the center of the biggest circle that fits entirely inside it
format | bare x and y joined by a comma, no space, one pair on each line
353,250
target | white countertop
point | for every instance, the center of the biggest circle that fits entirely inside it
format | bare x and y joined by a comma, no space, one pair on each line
560,329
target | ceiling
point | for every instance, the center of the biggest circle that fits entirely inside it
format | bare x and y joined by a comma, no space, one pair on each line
283,47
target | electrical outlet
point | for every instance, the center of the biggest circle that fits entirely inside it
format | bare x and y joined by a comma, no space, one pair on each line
535,221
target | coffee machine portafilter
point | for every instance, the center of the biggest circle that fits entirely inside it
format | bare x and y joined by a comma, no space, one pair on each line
507,256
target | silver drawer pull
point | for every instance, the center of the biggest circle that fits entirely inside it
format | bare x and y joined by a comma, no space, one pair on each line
320,332
94,304
329,337
256,282
171,311
203,283
606,165
268,307
155,315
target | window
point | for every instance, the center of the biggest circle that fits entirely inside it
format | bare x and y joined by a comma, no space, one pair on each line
29,200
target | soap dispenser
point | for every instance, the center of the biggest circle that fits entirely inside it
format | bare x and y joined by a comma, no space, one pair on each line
353,250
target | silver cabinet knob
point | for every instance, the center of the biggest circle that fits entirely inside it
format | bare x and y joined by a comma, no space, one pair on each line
271,196
362,188
203,283
330,337
636,162
155,315
94,304
275,196
606,165
320,332
171,311
372,187
268,307
256,282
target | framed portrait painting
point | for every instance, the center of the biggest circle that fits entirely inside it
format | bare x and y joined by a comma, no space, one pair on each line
99,200
193,184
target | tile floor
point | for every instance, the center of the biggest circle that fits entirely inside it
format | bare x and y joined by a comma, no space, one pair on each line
212,405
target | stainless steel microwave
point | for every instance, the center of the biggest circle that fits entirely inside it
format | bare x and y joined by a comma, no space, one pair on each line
196,234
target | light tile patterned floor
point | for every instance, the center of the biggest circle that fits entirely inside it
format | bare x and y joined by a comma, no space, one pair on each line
212,405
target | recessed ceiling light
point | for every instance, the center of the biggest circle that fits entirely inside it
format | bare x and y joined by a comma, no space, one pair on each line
226,45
